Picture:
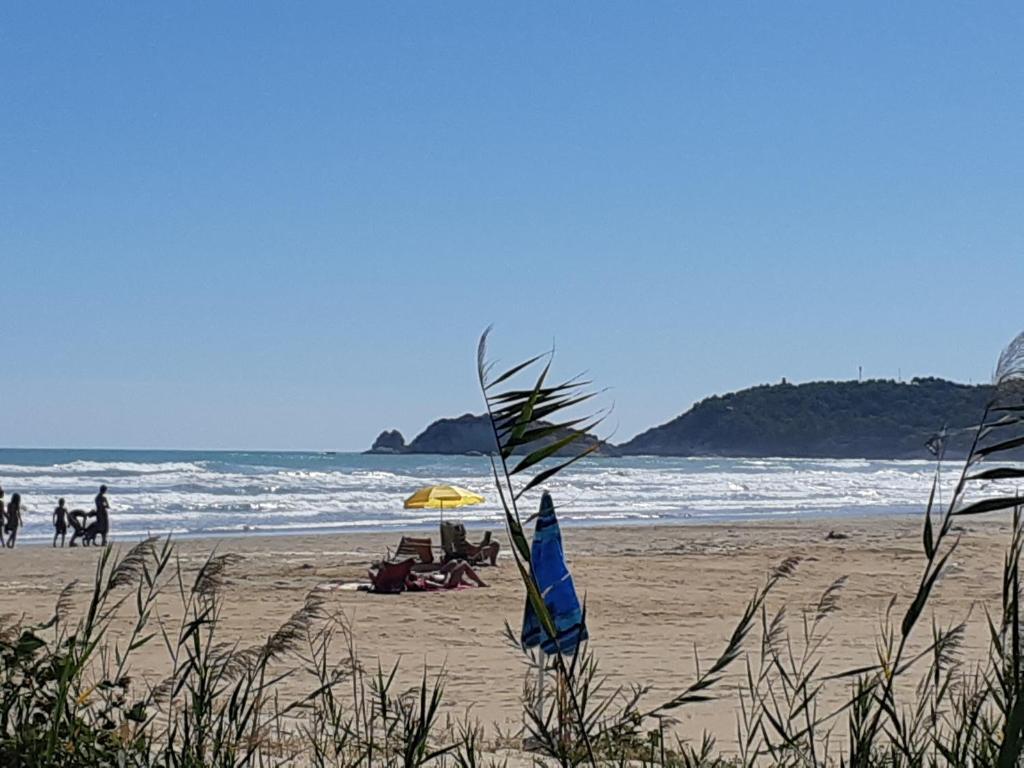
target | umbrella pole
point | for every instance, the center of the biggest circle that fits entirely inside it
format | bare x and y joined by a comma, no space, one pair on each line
540,684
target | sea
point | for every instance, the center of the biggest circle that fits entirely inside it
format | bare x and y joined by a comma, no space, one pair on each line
242,493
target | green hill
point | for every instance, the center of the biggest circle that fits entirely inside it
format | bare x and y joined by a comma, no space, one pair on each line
835,419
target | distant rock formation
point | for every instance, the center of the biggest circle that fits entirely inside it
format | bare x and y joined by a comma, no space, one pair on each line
466,434
388,441
875,419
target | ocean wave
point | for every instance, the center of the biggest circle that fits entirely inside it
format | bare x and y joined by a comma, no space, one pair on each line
288,492
101,468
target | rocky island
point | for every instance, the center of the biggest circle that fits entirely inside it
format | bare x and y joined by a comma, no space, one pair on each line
466,434
874,419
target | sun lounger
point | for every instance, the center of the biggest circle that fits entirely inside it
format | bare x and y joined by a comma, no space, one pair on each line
389,577
457,546
420,549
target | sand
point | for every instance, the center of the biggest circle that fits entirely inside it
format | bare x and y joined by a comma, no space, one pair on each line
653,594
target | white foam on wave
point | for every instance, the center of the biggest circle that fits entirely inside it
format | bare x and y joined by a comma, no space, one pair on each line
100,468
208,495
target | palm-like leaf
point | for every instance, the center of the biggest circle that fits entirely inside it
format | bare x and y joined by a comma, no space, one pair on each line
532,421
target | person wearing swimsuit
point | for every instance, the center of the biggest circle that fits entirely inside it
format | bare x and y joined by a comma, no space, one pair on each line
101,525
452,575
13,521
60,522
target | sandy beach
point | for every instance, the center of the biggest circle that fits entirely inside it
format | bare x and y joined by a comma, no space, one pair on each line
653,594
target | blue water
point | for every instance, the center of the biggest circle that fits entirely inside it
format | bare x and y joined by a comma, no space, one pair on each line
191,493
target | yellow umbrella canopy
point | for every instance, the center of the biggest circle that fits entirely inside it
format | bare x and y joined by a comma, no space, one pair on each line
442,497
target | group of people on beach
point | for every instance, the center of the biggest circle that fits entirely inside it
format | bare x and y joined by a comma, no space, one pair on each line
62,518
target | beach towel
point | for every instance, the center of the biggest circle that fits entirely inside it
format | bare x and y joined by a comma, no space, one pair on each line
344,586
552,575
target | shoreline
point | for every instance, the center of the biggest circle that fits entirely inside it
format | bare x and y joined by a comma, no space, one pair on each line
843,515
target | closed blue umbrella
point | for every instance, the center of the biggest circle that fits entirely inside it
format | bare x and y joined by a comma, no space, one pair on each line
547,561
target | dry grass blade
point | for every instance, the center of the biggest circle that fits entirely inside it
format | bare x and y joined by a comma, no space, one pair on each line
948,645
700,690
293,632
289,637
129,569
161,692
212,575
785,569
1010,367
65,603
774,633
829,601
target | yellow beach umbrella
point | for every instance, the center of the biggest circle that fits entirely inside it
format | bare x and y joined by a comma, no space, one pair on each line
442,497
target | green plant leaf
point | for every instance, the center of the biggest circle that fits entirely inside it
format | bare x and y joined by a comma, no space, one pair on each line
533,435
541,410
526,414
549,450
537,603
1005,445
28,643
513,371
1010,749
914,611
548,473
929,538
998,473
989,505
515,397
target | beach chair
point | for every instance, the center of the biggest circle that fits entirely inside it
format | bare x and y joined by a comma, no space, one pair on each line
457,546
389,577
420,549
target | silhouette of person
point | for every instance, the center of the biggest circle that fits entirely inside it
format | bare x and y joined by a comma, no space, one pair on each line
13,521
60,522
101,526
77,518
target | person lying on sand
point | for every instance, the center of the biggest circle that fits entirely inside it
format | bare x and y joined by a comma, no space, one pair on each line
449,576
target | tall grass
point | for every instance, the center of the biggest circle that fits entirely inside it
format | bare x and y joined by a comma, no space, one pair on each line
67,697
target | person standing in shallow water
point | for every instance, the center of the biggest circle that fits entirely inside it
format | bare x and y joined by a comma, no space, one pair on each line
102,514
13,521
3,518
60,522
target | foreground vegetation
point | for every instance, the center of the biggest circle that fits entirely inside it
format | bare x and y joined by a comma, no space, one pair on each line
68,698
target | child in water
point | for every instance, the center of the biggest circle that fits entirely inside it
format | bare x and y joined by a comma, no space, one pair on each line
60,522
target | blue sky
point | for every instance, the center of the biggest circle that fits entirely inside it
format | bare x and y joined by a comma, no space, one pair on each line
267,225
